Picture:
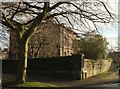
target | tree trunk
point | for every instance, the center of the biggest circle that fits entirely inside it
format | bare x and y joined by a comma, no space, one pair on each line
22,62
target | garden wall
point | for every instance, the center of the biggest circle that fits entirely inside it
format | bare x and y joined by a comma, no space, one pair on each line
74,67
94,67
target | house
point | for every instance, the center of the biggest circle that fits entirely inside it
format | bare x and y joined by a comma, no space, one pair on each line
49,41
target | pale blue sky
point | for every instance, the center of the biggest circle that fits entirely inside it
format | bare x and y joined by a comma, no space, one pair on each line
111,32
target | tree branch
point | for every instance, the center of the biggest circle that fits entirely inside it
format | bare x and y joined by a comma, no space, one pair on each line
15,11
36,7
56,5
7,22
107,10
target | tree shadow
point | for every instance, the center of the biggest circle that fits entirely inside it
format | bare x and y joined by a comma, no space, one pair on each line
47,79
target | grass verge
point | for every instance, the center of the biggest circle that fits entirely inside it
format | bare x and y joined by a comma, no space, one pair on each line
36,84
9,81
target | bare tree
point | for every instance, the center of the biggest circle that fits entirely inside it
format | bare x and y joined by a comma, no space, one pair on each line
40,40
26,17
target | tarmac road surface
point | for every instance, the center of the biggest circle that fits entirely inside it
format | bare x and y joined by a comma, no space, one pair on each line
103,86
100,86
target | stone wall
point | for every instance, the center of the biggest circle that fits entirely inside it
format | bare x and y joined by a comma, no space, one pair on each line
94,67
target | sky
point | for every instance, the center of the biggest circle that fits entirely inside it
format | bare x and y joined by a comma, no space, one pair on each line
111,35
111,32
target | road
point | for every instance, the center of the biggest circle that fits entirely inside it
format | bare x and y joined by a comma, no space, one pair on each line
99,86
103,86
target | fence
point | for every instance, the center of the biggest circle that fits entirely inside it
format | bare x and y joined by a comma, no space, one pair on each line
70,65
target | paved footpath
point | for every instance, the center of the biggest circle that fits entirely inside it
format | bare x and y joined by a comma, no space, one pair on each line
107,77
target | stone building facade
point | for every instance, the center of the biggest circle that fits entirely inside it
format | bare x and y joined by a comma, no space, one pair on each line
49,41
13,46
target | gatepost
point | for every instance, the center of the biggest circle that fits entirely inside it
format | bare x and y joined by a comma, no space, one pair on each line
77,66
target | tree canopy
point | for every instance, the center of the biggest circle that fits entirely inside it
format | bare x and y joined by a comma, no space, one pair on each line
92,45
75,13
